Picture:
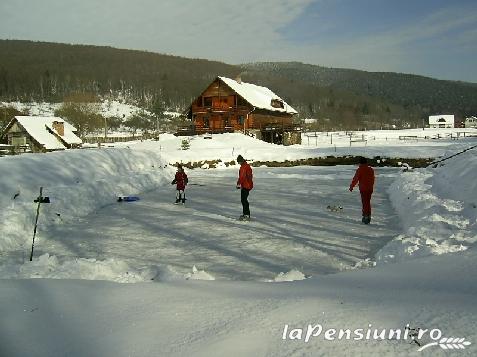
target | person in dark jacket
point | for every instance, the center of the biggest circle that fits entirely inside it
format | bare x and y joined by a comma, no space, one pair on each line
245,184
181,181
365,177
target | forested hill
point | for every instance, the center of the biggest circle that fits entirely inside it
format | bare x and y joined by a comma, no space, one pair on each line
51,71
345,98
427,95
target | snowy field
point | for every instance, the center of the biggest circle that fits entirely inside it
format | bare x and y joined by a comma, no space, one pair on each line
108,108
225,147
414,265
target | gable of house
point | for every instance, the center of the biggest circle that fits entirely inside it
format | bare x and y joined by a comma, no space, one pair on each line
442,121
258,96
42,132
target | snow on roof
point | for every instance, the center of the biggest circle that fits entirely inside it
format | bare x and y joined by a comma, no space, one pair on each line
38,127
434,119
259,97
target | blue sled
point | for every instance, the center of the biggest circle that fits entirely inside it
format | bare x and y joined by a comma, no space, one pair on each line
128,198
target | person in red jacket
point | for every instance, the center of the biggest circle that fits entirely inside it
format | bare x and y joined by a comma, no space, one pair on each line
365,177
245,184
180,180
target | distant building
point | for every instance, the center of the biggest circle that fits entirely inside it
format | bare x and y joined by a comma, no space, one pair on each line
442,121
229,105
471,122
40,134
310,124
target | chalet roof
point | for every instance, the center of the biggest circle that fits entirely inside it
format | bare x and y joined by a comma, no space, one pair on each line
259,97
41,129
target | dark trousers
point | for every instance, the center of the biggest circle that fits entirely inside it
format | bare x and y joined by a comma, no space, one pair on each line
244,199
366,202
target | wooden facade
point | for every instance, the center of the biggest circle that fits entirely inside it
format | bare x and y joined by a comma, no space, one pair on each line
219,109
20,140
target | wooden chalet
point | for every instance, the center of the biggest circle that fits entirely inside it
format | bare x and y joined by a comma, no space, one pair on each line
229,105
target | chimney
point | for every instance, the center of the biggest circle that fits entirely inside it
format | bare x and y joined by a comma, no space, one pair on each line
59,127
238,79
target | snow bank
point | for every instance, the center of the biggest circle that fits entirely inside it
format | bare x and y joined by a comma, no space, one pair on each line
437,208
292,275
51,267
199,275
77,182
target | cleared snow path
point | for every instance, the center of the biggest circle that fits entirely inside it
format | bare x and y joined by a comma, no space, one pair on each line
291,227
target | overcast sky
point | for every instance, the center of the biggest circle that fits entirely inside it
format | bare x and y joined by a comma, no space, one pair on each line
436,38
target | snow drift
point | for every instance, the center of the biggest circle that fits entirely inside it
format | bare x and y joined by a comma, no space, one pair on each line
77,182
438,210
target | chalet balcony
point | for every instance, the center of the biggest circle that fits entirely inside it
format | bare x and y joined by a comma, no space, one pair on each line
219,107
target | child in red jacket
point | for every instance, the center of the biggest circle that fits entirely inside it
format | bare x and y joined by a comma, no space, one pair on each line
365,176
180,180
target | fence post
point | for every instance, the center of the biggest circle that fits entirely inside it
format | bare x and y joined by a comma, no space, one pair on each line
36,222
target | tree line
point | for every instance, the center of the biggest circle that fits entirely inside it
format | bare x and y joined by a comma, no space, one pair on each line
339,98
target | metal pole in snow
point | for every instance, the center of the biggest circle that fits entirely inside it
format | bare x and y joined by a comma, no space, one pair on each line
36,222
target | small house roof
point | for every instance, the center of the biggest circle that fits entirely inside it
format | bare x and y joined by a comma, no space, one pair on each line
447,118
259,97
41,128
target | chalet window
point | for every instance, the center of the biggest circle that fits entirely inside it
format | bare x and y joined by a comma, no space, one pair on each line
199,101
240,119
277,103
207,101
206,122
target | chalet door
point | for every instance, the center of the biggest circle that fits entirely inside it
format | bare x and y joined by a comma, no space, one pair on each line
216,122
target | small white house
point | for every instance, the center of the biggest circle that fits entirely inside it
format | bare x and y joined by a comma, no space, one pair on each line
442,121
471,122
40,134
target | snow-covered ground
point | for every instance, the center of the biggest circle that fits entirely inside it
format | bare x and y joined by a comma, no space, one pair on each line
424,222
108,108
225,147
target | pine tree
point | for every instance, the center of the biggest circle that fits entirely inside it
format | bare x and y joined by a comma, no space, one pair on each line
185,145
